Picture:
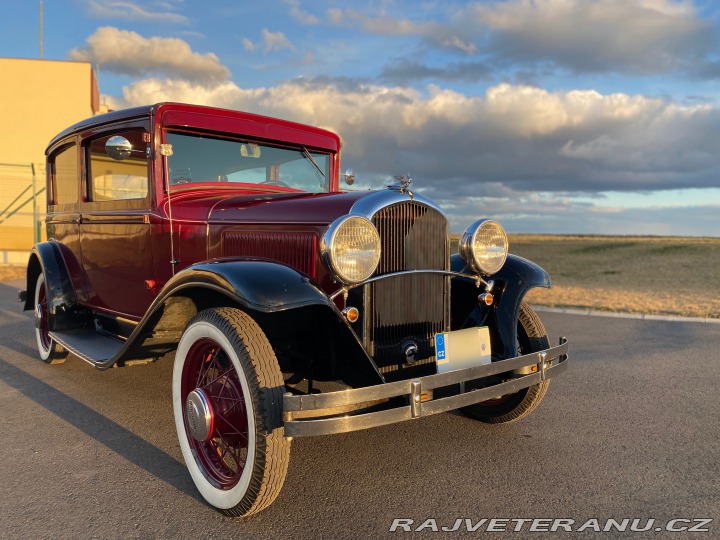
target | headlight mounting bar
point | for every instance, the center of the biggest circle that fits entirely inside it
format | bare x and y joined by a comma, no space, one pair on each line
346,288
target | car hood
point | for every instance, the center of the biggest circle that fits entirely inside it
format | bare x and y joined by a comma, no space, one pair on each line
273,208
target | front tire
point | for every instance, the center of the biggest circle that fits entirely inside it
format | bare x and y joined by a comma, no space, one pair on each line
227,401
50,351
532,337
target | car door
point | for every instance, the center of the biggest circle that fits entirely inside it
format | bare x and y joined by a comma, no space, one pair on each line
62,219
114,225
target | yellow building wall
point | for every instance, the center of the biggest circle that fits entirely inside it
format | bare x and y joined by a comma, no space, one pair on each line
38,99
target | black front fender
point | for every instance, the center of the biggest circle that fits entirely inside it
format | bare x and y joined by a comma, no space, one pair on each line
276,295
256,284
512,283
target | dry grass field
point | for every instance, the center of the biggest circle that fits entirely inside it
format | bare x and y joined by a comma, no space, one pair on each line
655,275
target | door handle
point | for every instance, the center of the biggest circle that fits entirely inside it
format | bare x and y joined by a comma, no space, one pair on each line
77,219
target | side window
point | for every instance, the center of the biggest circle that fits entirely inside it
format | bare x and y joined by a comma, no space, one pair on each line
65,176
112,180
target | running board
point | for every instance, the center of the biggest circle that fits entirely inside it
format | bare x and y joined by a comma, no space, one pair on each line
95,349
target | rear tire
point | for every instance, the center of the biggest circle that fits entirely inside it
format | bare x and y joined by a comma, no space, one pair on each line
532,337
227,401
50,351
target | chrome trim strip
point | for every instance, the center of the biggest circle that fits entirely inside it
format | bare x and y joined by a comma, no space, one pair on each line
371,204
310,415
476,277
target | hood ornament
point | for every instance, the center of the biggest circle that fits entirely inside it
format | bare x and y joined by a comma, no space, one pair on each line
402,185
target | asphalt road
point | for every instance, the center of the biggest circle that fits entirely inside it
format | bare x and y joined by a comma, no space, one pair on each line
630,430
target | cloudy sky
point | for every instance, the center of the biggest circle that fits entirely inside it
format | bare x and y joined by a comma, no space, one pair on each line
553,116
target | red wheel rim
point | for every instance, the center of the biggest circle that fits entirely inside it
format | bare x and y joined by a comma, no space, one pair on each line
43,330
223,456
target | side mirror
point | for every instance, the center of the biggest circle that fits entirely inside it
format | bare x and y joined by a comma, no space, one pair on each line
118,148
349,177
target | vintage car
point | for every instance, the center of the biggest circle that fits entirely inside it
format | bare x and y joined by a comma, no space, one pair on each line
291,308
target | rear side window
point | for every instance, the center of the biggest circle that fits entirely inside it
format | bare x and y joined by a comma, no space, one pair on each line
65,182
112,180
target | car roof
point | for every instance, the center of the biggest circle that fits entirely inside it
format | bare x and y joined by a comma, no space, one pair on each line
161,108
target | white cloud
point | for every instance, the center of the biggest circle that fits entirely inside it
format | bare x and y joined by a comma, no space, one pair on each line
275,41
192,34
124,9
154,90
626,36
249,45
126,52
271,42
525,137
299,15
335,16
652,36
383,25
457,43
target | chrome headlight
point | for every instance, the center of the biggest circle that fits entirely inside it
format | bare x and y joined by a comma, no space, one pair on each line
484,246
351,248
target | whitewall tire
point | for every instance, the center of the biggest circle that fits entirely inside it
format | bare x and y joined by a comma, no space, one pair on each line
227,402
49,351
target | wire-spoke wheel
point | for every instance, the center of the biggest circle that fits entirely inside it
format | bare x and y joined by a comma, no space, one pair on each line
50,351
532,337
227,400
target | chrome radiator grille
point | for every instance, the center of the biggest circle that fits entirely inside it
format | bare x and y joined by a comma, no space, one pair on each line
409,307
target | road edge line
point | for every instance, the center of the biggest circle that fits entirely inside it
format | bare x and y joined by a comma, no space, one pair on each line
624,315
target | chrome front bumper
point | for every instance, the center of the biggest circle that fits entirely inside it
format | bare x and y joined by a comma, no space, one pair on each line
324,414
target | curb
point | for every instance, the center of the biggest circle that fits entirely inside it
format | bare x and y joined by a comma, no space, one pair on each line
621,315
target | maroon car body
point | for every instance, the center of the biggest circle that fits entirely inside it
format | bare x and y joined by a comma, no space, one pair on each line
223,238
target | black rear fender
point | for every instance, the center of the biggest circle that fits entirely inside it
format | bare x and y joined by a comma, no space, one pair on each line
63,311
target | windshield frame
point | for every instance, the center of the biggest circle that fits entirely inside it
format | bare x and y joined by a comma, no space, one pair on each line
324,174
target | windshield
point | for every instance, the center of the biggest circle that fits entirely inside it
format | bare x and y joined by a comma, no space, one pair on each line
203,159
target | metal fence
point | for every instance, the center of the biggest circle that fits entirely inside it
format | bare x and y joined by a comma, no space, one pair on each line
22,208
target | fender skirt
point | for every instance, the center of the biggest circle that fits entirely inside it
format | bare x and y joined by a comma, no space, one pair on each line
512,283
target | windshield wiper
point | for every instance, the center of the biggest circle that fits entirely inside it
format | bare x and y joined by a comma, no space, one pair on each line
308,155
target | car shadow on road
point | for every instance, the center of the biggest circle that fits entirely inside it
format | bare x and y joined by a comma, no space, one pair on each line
107,432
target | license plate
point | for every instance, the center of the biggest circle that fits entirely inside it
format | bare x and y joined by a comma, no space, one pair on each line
462,349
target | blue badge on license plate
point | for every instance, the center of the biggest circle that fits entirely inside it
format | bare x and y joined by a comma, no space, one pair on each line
462,349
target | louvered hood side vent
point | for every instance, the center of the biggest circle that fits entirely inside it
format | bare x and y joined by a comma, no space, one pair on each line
296,249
